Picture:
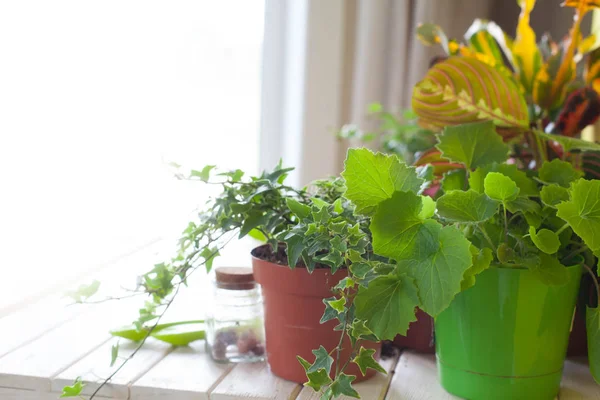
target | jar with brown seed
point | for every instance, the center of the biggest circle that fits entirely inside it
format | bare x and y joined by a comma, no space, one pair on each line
235,324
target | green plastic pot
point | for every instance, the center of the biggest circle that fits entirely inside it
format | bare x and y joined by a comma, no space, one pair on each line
506,337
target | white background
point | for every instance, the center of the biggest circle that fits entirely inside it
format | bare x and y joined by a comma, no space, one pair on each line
95,96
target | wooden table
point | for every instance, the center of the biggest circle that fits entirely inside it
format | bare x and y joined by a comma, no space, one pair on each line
45,346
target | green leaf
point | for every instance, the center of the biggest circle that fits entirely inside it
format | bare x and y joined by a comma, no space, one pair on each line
559,172
545,240
374,108
253,220
500,187
294,248
114,353
319,203
338,305
460,90
316,379
84,292
473,145
527,186
469,207
204,174
132,333
299,209
592,319
428,207
338,206
435,256
372,178
524,205
322,361
209,254
359,330
481,261
343,386
73,390
582,212
455,180
330,313
549,270
552,195
180,335
387,305
568,143
365,360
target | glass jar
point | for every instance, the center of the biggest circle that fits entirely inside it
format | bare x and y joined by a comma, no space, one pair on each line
235,323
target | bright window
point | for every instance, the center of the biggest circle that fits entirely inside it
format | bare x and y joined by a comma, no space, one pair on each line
95,97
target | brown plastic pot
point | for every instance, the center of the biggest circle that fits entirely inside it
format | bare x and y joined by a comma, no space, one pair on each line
419,336
293,302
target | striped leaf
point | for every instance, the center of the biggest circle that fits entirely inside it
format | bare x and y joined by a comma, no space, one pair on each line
461,90
546,77
527,56
592,70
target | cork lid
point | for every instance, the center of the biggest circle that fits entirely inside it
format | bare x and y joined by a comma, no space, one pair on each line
234,278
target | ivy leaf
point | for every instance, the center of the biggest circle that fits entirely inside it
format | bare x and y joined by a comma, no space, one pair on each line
545,240
527,187
387,305
343,386
359,330
551,195
330,312
549,270
365,360
322,361
469,206
455,180
209,254
435,256
473,145
114,354
559,172
481,261
84,292
204,174
582,212
299,209
338,304
317,379
592,319
500,187
294,248
371,178
73,390
253,220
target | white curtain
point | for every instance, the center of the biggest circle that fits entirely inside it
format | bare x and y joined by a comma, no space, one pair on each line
325,61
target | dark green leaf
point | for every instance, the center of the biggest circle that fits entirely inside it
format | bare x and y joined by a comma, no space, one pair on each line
294,249
455,180
469,207
252,221
552,195
343,386
330,312
524,205
560,172
473,145
316,379
322,360
387,305
299,209
365,360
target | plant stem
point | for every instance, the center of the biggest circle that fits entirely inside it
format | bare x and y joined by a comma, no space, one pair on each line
339,346
562,228
482,229
574,253
505,223
593,275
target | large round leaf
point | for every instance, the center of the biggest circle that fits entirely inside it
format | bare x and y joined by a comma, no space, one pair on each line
461,90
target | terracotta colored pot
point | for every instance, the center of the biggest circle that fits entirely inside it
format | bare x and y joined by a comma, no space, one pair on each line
293,301
419,336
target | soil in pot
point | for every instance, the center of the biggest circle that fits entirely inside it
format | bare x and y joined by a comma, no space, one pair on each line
293,302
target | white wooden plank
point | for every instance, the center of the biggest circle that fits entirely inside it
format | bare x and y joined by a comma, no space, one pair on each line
577,382
20,394
372,389
187,373
416,378
254,381
95,367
